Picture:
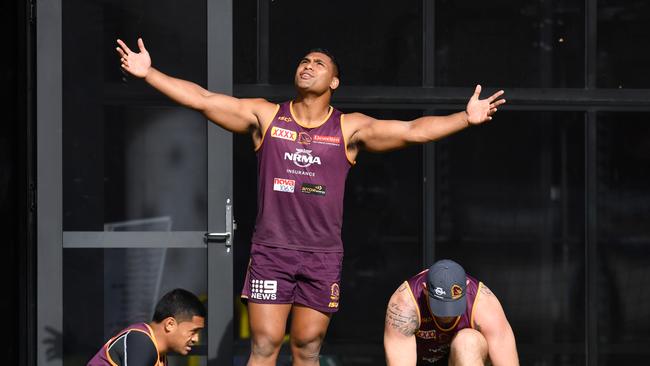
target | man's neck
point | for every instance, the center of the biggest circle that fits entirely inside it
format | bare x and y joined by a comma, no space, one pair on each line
311,110
159,336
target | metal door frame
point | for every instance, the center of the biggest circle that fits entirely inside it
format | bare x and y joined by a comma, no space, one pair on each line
50,237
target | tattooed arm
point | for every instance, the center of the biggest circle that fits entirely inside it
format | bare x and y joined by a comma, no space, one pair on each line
491,321
402,321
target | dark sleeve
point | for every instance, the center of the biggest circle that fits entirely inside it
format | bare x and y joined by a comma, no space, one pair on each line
140,350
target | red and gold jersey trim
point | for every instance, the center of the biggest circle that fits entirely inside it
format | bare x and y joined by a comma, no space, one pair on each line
345,143
415,302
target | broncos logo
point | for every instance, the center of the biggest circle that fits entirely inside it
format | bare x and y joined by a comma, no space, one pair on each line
456,292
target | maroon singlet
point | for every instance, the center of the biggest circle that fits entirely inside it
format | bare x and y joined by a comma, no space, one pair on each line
103,357
301,182
432,340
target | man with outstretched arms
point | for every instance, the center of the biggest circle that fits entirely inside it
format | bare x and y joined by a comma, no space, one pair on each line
178,318
443,316
305,148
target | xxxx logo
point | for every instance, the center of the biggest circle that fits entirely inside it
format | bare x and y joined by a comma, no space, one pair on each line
281,133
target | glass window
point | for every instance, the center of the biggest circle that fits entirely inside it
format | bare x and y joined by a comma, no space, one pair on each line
531,43
245,41
375,44
135,169
129,164
109,289
510,209
623,237
623,33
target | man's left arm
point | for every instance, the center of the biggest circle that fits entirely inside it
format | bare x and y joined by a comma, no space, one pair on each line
385,135
491,321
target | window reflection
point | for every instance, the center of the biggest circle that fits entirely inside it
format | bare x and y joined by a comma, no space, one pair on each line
510,208
622,28
623,234
531,43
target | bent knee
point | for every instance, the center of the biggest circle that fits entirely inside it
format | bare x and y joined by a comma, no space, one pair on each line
470,341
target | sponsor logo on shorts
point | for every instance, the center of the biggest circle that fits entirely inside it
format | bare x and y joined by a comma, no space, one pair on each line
316,189
264,289
327,140
281,133
302,158
334,296
304,138
301,172
284,185
285,119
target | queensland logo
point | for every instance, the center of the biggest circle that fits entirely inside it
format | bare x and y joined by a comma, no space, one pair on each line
456,292
304,138
264,289
284,185
281,133
302,158
327,140
317,189
285,119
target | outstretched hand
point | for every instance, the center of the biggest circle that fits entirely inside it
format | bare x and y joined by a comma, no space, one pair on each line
481,110
135,63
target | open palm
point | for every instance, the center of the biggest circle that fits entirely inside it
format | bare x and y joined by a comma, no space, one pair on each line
135,63
481,110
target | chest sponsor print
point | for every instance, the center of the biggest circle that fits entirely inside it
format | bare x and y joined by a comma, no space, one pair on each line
316,189
284,185
327,140
282,133
302,158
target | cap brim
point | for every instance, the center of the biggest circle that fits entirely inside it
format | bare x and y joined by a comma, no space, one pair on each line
442,308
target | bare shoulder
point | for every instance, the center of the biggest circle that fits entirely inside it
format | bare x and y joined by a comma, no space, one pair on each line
357,120
402,313
260,105
488,310
262,109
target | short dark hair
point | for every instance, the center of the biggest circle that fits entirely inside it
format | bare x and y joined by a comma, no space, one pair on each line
180,304
337,71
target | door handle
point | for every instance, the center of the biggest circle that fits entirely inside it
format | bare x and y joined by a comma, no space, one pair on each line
225,237
216,237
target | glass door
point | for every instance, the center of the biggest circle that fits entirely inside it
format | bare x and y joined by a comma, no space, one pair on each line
129,183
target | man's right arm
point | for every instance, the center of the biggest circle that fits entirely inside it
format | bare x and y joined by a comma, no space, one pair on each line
233,114
401,323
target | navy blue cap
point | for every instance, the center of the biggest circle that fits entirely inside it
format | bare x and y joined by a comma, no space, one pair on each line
446,284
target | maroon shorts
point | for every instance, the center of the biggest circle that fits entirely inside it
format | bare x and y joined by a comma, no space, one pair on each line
288,276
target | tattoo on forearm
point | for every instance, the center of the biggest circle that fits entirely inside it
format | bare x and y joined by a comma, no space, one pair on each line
403,320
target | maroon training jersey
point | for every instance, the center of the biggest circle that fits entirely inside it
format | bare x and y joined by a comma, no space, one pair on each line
301,181
103,357
432,340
